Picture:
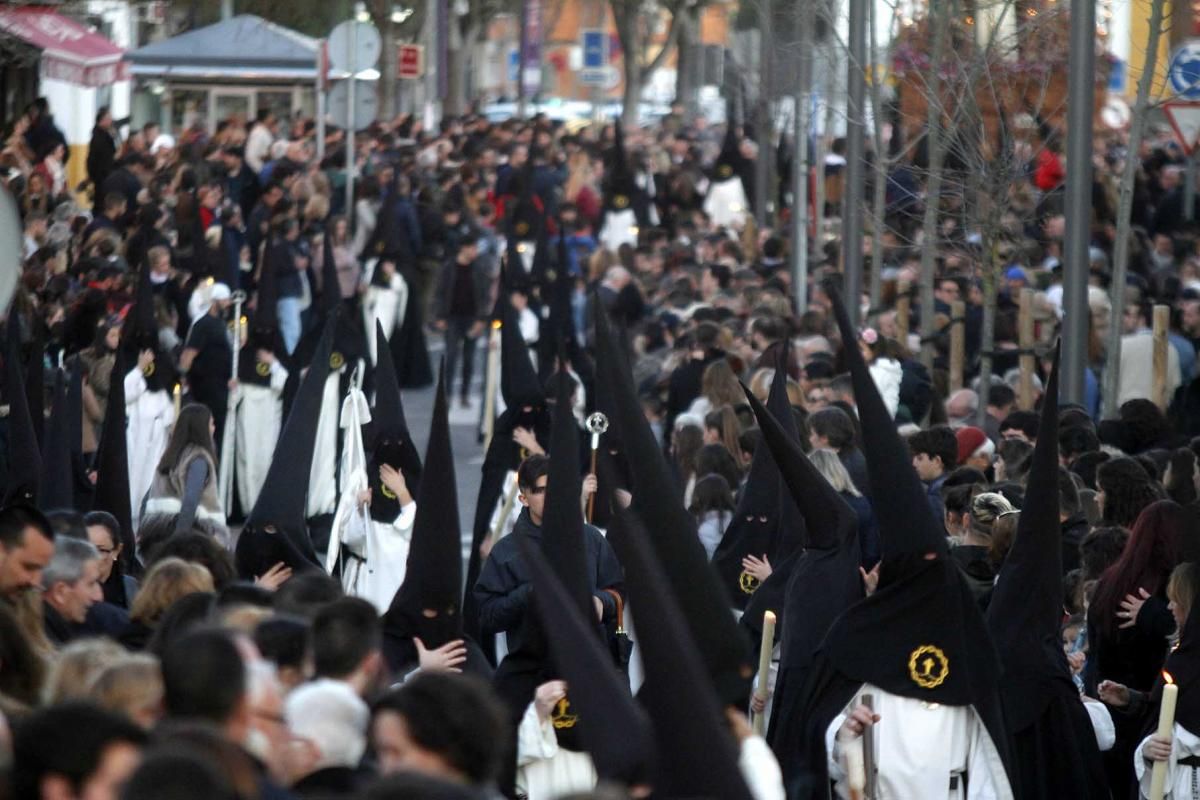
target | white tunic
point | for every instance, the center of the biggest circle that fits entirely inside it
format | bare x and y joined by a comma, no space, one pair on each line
726,203
386,304
919,746
322,486
1180,779
150,416
620,227
544,770
259,420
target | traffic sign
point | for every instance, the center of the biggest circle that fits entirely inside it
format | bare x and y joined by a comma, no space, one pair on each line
411,58
594,43
354,46
605,77
366,103
1183,70
1184,117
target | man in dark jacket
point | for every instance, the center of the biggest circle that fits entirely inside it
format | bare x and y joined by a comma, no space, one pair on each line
102,151
463,293
503,590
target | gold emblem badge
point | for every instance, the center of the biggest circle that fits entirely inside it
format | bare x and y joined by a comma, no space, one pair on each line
560,717
748,583
724,171
148,370
551,275
620,201
263,369
336,360
386,492
928,666
521,228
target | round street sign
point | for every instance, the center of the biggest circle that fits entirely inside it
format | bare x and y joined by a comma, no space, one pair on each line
366,103
354,46
1183,71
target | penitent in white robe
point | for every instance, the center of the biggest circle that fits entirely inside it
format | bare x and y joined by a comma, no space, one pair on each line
150,416
259,420
620,227
726,203
1180,779
373,555
322,483
919,746
546,771
386,304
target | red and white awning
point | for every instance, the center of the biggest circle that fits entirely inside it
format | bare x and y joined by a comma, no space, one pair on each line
70,52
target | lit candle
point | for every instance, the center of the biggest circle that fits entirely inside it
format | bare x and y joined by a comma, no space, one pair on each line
178,392
1166,726
764,668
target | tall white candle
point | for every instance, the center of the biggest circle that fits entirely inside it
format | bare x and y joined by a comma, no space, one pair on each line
1166,725
764,668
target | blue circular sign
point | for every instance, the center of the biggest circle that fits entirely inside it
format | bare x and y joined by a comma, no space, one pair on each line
1183,72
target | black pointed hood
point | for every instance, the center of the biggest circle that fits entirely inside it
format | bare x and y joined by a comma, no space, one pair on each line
393,444
112,465
620,185
766,520
612,728
56,489
24,455
729,162
266,315
920,635
697,754
331,292
518,379
565,549
1026,607
276,529
433,577
143,335
657,500
525,215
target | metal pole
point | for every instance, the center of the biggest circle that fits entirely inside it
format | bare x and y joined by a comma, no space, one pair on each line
320,91
762,166
852,226
350,124
1189,189
1080,101
800,164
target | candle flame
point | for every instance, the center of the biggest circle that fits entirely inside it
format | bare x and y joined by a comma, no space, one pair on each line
497,324
1167,677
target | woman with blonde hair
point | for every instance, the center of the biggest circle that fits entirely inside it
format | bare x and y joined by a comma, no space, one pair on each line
580,189
718,387
132,687
77,665
166,582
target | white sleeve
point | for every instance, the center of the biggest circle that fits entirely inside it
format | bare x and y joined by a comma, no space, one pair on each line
535,739
836,774
135,386
1102,723
760,769
279,376
404,522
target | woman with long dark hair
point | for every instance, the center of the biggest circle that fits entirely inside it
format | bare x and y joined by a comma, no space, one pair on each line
1125,489
1129,622
188,470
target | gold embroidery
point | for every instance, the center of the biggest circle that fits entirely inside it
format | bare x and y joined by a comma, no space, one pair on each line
620,201
263,369
336,360
560,718
748,583
928,666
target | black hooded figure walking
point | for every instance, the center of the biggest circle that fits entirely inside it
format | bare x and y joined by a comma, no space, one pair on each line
918,644
626,208
766,521
1054,744
276,530
425,616
809,590
24,455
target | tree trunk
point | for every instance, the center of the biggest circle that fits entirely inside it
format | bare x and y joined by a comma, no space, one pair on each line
1112,356
626,16
685,64
387,69
933,187
988,331
879,193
